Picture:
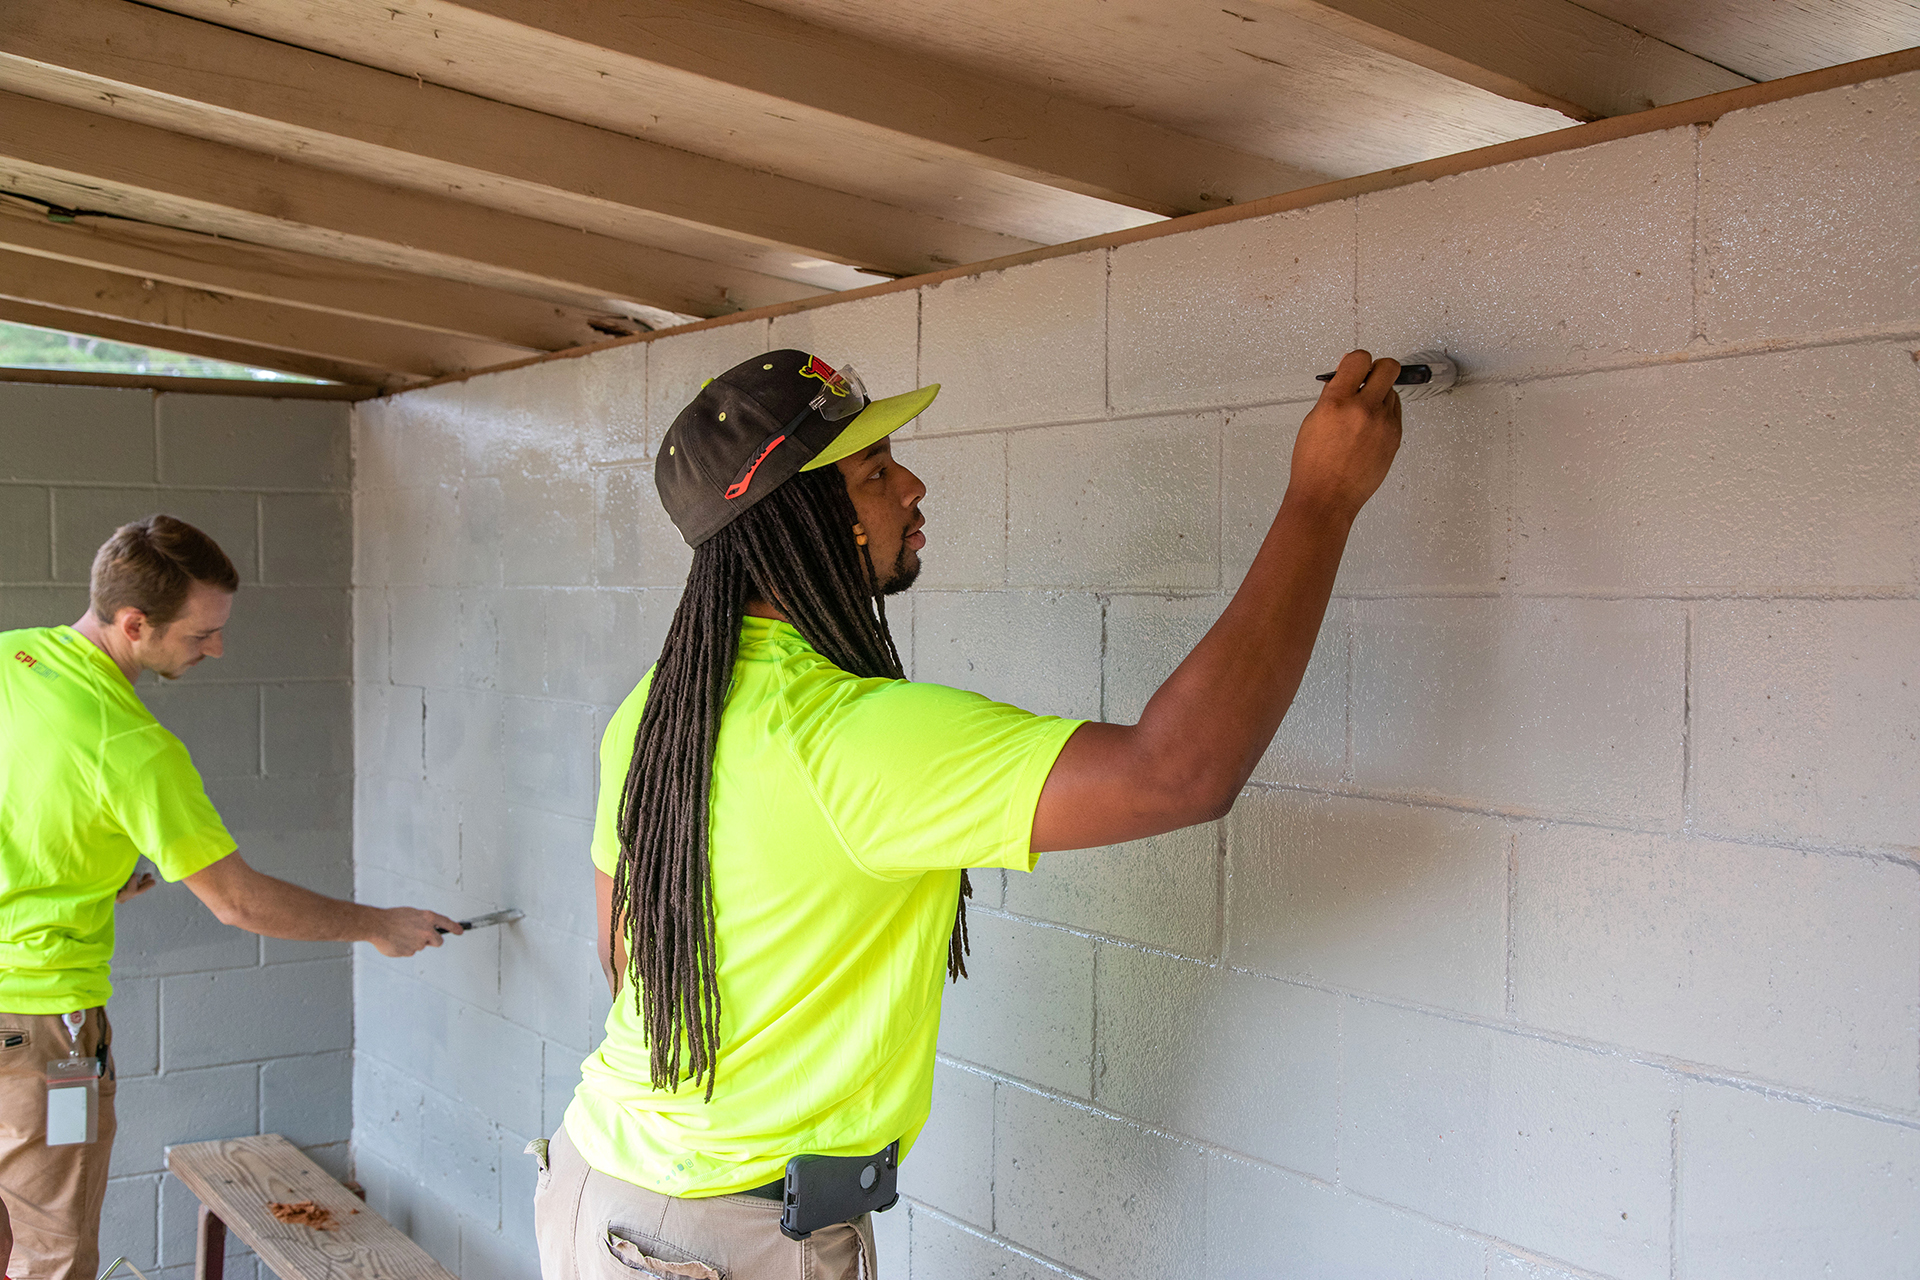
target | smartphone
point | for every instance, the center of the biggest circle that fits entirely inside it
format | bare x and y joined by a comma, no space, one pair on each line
824,1190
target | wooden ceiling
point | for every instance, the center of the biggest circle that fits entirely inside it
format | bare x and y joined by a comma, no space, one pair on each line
380,192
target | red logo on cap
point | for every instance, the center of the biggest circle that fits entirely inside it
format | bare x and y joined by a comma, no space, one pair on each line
815,367
739,486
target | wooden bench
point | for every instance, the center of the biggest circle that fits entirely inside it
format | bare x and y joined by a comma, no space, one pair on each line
236,1179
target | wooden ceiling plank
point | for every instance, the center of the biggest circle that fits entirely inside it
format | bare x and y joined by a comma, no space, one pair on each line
88,290
211,186
194,344
182,73
1550,53
263,388
303,280
791,66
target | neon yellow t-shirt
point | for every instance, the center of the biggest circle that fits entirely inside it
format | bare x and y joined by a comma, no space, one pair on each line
843,811
89,782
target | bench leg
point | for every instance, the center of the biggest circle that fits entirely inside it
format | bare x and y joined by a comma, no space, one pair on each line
210,1247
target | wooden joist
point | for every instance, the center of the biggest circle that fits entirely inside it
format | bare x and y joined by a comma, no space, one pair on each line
179,73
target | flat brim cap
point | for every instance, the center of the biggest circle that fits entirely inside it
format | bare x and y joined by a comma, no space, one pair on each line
750,430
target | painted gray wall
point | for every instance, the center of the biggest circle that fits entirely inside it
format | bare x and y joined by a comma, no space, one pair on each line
216,1032
1572,925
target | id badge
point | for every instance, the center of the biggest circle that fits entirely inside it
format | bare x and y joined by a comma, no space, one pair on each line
73,1101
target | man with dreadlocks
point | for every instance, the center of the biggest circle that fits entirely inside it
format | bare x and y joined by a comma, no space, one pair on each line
785,822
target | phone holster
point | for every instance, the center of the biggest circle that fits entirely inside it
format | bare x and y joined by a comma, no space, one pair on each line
824,1190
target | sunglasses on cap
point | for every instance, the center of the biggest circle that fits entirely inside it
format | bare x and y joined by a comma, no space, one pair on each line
842,394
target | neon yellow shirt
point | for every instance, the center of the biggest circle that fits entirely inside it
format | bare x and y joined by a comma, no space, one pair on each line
843,810
89,782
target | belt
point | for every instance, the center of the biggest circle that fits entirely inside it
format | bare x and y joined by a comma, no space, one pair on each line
775,1190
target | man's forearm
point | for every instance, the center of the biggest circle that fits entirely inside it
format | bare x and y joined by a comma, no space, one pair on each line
279,909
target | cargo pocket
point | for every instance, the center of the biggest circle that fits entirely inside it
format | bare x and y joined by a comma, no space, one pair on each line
638,1255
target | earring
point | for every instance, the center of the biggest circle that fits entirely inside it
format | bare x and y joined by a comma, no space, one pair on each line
859,536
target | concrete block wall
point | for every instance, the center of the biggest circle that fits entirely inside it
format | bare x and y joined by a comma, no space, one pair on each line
216,1032
1571,927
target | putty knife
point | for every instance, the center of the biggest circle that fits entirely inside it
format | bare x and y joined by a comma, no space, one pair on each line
492,917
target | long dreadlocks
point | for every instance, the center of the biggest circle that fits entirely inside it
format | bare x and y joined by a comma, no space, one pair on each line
794,549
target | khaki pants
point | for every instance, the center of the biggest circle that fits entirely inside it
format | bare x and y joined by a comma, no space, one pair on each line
53,1194
592,1226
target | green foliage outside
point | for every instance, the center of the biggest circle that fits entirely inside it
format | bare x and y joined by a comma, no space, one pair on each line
25,347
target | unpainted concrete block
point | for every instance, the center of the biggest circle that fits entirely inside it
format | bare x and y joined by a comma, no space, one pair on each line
463,745
539,865
560,1066
26,533
951,1164
1163,891
1140,1214
1234,314
942,1251
245,1015
679,366
1039,650
1772,1189
635,543
83,519
388,1104
495,1068
1045,1034
892,1240
879,337
519,1179
251,442
86,435
466,967
306,539
488,1254
1572,707
1389,899
40,606
1797,227
965,507
296,828
134,1012
1797,968
427,635
307,729
407,524
409,827
1537,1143
1116,504
155,1112
179,1220
389,731
548,983
1599,267
1148,637
599,643
1506,1266
1016,347
288,633
1803,720
460,1157
1260,1218
219,723
308,1100
1244,1062
130,1221
613,395
371,636
1767,472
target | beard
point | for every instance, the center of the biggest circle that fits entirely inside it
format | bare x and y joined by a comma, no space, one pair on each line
901,576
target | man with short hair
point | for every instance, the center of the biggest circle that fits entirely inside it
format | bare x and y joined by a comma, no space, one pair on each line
785,822
90,783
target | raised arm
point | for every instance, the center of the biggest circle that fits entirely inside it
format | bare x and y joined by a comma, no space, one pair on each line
1205,729
260,903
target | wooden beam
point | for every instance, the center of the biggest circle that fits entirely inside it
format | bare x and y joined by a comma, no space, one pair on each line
190,386
1550,53
183,74
193,344
375,344
790,69
94,161
200,261
1677,115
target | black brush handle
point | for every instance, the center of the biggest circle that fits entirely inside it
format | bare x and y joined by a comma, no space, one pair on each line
1411,375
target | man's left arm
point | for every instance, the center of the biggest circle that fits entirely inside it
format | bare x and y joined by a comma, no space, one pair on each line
259,903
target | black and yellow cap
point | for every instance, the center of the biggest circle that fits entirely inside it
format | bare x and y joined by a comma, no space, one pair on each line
754,428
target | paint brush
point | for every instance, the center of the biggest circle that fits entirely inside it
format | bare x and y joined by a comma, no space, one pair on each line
492,917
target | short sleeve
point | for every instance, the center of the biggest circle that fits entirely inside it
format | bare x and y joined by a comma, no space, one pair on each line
616,755
158,799
921,777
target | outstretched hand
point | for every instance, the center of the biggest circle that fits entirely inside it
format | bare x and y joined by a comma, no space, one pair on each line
1349,438
401,931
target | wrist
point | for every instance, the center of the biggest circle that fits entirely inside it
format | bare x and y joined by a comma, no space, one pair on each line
1325,510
